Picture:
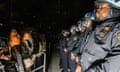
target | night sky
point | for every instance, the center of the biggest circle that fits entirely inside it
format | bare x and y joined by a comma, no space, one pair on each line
45,15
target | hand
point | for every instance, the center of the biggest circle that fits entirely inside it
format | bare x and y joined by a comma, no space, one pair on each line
78,69
72,56
65,50
5,57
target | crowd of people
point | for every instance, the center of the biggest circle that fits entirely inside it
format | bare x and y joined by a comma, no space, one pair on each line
90,45
93,43
18,54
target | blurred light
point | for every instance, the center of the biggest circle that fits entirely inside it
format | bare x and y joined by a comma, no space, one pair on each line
1,24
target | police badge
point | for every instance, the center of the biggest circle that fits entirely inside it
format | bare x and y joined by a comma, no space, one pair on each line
100,36
118,35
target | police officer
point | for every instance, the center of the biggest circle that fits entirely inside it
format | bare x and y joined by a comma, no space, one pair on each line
81,30
86,24
70,46
102,52
63,50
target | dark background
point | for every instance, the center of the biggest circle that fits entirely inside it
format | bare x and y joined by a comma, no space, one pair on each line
45,15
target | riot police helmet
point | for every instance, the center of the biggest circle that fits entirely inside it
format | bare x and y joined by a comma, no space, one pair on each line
113,9
73,28
66,32
113,3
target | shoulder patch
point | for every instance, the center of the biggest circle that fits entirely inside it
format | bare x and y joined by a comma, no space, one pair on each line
118,35
100,36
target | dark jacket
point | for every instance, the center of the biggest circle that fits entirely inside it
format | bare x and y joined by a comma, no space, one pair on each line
102,52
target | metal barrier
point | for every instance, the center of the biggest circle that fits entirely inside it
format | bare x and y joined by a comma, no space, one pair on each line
44,62
38,55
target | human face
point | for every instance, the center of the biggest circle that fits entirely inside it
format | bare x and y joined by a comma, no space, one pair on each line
88,23
26,36
64,34
13,32
14,38
102,11
79,27
71,30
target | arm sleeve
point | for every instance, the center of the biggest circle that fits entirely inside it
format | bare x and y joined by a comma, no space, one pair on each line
71,43
95,52
77,47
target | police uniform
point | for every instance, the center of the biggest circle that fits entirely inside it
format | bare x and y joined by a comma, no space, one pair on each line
102,52
81,42
64,55
77,45
86,32
70,46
